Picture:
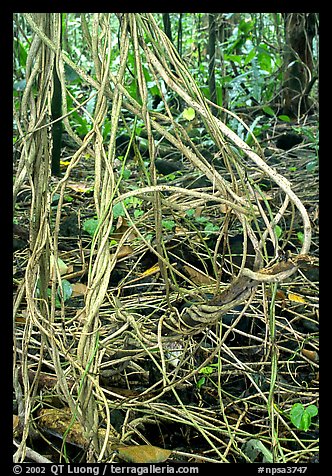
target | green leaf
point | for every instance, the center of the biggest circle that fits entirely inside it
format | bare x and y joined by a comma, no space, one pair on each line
268,110
168,224
19,85
67,289
284,118
90,226
264,60
190,212
296,414
246,25
138,213
312,410
82,127
126,173
311,166
254,448
300,237
63,268
188,113
118,211
210,227
208,370
253,129
278,231
70,73
201,219
301,416
200,382
234,58
106,129
250,56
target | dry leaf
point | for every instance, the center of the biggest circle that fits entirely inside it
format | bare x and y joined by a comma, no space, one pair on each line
143,454
154,269
121,222
80,187
58,421
20,320
16,422
279,294
198,211
124,251
180,230
70,269
198,277
79,289
121,228
296,298
63,268
224,208
311,355
81,316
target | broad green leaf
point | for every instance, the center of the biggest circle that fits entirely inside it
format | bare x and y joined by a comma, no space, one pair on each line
106,129
126,173
208,370
300,237
284,118
63,268
201,219
168,224
200,382
189,113
246,25
70,73
118,211
254,448
268,110
311,165
264,60
234,58
296,414
250,56
190,213
210,227
301,416
66,289
312,410
278,231
138,213
90,226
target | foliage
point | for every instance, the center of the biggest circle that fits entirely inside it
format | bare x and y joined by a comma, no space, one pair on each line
248,64
301,416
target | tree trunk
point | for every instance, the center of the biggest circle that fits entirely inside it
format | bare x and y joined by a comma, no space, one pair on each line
298,62
212,60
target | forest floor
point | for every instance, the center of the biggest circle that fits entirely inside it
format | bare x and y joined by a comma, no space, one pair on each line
217,394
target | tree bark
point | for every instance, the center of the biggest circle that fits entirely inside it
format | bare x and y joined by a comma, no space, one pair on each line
212,60
300,31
